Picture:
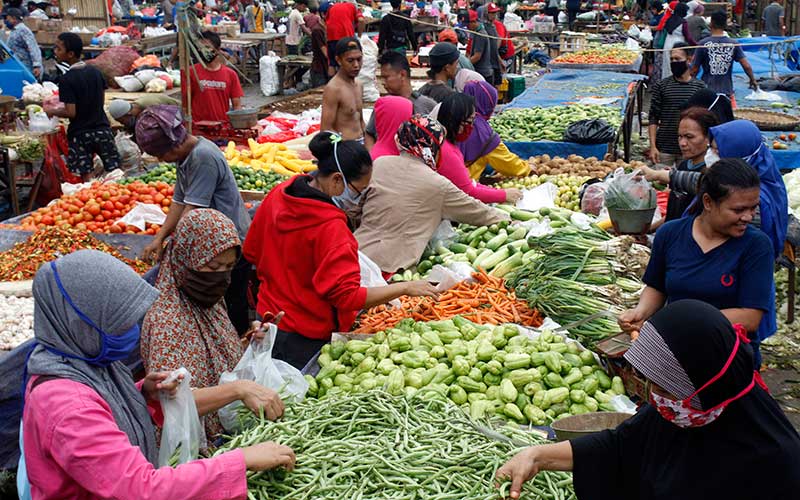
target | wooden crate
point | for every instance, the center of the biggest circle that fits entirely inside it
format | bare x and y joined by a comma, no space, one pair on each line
572,42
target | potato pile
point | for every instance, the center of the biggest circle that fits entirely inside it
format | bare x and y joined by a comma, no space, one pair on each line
578,166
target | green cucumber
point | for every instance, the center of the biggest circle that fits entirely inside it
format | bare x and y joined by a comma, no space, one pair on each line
496,258
523,215
497,241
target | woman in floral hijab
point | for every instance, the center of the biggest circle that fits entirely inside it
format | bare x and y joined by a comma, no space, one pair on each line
188,324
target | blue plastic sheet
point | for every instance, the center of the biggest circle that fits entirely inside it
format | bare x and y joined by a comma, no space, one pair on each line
562,149
565,86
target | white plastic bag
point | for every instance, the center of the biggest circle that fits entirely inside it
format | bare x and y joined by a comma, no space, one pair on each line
39,122
257,365
129,152
129,83
371,275
634,31
143,213
450,276
268,71
182,427
366,76
444,236
541,196
763,95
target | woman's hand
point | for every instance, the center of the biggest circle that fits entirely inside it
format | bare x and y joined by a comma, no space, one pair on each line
154,382
522,467
257,397
513,195
269,455
631,320
420,288
154,250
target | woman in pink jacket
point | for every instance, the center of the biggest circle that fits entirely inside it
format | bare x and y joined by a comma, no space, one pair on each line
88,430
457,114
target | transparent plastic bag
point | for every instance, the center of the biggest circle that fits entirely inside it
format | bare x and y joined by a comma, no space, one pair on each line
629,191
129,152
444,236
182,427
371,275
257,365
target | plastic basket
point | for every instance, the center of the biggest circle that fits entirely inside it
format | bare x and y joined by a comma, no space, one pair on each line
587,423
631,221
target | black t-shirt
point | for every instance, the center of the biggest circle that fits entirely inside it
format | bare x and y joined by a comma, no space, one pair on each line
85,88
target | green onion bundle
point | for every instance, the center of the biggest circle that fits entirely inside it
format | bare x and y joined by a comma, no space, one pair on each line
376,446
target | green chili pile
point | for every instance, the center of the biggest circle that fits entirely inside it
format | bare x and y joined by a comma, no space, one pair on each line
374,445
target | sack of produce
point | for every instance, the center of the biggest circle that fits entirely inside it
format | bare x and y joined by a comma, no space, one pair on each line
629,192
128,83
182,429
257,365
116,61
368,70
592,131
128,151
268,71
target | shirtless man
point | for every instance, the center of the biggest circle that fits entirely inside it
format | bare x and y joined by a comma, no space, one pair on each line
342,100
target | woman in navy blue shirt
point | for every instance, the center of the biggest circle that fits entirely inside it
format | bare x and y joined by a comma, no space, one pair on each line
714,256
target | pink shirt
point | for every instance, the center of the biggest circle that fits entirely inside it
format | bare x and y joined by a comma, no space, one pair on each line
74,449
451,165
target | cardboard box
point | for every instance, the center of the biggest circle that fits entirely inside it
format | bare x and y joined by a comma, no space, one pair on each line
33,24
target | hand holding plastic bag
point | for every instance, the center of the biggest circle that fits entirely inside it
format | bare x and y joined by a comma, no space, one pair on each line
257,365
629,192
182,427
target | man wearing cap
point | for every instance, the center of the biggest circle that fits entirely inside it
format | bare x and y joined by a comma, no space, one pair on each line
204,180
342,21
342,102
22,42
126,112
444,66
483,50
505,46
450,36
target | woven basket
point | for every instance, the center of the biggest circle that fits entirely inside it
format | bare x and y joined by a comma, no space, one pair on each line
768,120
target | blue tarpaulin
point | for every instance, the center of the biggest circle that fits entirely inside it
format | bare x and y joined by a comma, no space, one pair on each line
564,87
13,74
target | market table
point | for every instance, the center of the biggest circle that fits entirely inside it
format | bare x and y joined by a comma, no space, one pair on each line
564,87
289,66
162,44
275,42
175,93
244,50
548,38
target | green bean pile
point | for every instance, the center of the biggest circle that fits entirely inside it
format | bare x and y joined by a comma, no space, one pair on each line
376,446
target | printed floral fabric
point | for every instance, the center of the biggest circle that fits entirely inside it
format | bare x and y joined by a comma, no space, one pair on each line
176,332
421,137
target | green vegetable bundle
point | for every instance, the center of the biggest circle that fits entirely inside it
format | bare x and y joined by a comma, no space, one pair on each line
378,446
30,149
487,370
537,123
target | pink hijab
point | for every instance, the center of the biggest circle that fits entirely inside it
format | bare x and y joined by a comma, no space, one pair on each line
390,113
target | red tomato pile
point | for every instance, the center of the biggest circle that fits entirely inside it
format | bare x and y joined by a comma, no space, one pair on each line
99,207
604,55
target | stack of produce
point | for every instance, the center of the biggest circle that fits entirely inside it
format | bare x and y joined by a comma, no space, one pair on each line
569,187
486,370
163,172
249,179
377,446
23,260
578,273
99,207
579,166
484,300
598,55
268,156
16,321
537,123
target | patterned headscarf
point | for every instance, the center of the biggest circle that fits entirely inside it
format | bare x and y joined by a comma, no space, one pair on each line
159,129
421,137
177,332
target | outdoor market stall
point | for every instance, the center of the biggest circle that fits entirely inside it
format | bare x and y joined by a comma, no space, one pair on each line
605,90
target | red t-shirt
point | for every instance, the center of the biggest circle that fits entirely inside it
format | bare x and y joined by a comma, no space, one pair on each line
340,20
211,97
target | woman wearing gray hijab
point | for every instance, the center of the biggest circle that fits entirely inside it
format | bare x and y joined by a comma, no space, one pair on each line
88,429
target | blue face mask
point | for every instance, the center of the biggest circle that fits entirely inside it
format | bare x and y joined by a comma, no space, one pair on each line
349,197
113,348
8,24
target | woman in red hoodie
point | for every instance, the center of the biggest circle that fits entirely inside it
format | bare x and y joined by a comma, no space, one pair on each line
306,256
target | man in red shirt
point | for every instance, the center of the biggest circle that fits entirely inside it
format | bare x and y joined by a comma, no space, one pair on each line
506,46
218,89
342,21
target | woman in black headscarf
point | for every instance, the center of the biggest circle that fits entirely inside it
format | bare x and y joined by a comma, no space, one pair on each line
719,104
711,429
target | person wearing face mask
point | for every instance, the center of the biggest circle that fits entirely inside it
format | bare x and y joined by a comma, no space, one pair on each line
457,115
88,430
306,256
22,42
188,325
677,31
709,427
204,180
668,95
407,199
694,137
714,256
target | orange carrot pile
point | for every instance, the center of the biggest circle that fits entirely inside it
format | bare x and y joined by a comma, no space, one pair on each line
484,301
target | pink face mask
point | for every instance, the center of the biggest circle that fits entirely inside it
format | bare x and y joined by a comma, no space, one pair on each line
683,415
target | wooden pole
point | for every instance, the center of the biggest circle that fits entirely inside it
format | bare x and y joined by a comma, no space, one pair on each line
185,67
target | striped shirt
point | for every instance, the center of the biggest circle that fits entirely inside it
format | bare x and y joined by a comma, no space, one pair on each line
667,98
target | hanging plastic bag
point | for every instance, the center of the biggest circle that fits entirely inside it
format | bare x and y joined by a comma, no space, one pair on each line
257,365
629,192
182,428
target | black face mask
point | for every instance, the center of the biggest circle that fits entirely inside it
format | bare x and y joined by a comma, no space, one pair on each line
206,288
678,68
